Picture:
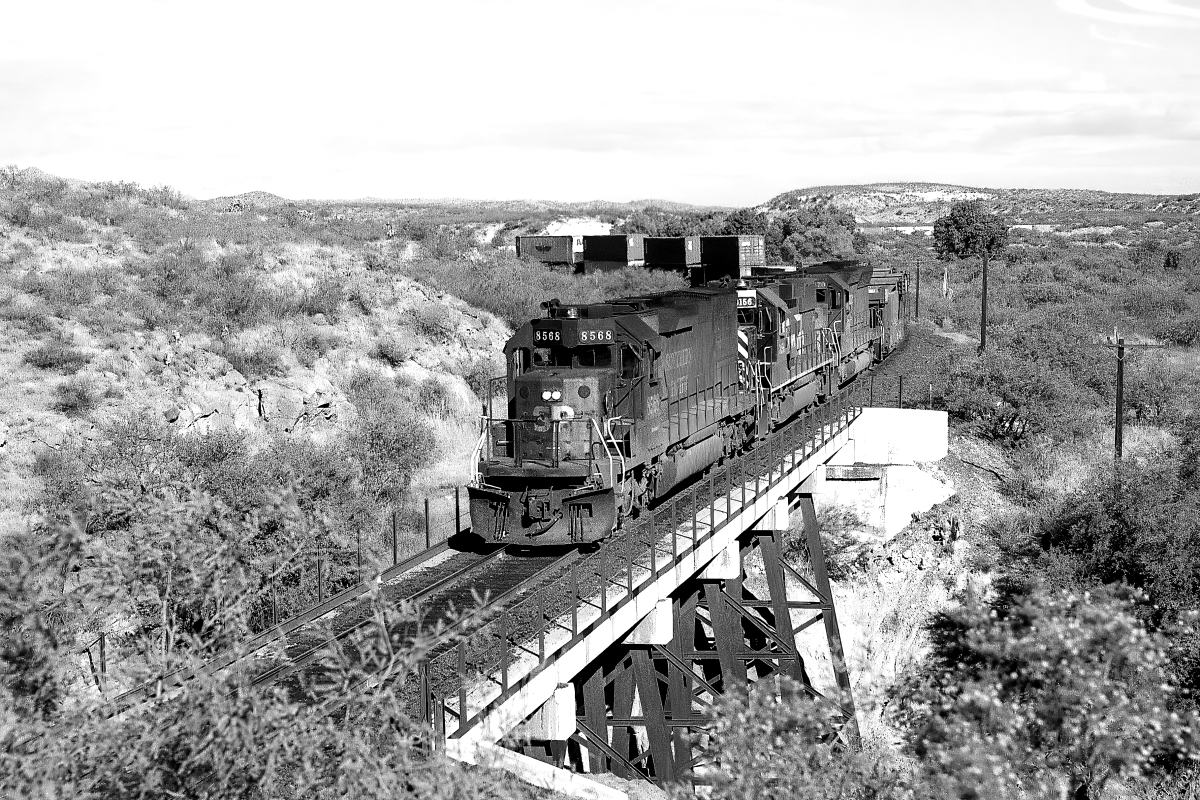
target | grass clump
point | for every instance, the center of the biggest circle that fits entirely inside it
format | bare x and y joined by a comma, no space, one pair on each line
76,396
57,355
259,360
392,350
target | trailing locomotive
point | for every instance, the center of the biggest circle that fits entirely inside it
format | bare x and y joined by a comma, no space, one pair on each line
611,405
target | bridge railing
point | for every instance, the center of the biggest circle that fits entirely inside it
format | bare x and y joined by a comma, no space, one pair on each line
652,547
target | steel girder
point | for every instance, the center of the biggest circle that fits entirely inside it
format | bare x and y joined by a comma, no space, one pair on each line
642,709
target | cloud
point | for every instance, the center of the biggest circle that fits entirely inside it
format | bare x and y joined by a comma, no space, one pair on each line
1095,33
1163,7
1160,13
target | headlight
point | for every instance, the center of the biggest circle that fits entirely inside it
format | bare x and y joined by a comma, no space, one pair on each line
546,395
556,395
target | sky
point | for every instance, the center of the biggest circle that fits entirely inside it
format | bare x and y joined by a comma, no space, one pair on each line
725,103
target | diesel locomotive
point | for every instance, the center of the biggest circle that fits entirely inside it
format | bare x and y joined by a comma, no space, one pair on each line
611,405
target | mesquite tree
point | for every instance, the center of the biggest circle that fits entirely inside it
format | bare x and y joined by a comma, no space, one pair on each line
970,230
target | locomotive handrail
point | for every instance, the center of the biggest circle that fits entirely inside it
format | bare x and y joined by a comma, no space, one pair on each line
608,429
600,435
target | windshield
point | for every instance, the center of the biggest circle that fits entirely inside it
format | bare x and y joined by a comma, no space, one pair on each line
572,357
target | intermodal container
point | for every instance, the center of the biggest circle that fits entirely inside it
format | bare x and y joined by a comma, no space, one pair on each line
735,253
547,249
627,248
672,252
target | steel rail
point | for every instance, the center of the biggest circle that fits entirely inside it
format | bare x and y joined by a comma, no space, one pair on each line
309,655
453,629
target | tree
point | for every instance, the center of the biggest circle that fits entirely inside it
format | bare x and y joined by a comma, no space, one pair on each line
816,229
745,222
971,231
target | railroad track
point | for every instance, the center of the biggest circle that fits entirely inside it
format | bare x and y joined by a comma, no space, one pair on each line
447,608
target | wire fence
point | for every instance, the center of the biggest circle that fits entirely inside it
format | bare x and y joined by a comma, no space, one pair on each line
311,577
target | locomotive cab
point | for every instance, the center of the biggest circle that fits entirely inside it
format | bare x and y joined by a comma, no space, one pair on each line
552,468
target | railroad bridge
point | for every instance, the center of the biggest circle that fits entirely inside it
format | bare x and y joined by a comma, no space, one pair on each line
693,602
608,661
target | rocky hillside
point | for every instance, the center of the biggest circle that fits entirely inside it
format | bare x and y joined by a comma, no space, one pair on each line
919,204
119,304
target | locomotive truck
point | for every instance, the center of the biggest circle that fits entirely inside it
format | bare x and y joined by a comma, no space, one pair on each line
612,405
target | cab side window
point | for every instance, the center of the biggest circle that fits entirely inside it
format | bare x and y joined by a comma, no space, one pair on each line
631,365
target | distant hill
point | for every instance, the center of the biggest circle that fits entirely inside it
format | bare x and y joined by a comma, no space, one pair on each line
908,204
247,199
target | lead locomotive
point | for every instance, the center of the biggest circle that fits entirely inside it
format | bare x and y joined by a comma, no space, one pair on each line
611,405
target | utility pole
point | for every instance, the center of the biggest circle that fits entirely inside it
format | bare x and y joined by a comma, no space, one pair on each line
1117,343
1119,436
917,315
983,306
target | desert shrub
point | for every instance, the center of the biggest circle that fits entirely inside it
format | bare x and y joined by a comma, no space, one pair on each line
390,446
432,322
57,355
216,736
325,296
390,439
374,259
76,396
63,478
63,289
1043,687
1182,330
313,343
392,350
763,745
260,360
435,398
166,197
479,371
1006,398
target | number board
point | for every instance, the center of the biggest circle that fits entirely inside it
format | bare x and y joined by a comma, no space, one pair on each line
747,299
550,334
588,332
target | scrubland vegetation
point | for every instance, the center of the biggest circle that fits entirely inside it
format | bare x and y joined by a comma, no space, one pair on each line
202,398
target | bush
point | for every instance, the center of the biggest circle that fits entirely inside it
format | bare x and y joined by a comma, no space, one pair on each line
76,396
392,350
261,360
57,355
325,297
479,372
432,322
435,398
1041,688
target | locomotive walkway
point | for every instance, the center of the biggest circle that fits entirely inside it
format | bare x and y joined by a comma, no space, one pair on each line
520,676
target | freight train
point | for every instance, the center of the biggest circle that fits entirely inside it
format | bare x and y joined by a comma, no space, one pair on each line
612,405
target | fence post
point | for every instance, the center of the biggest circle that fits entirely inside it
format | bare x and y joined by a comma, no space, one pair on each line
930,395
395,547
358,547
457,513
320,590
427,542
103,664
274,604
